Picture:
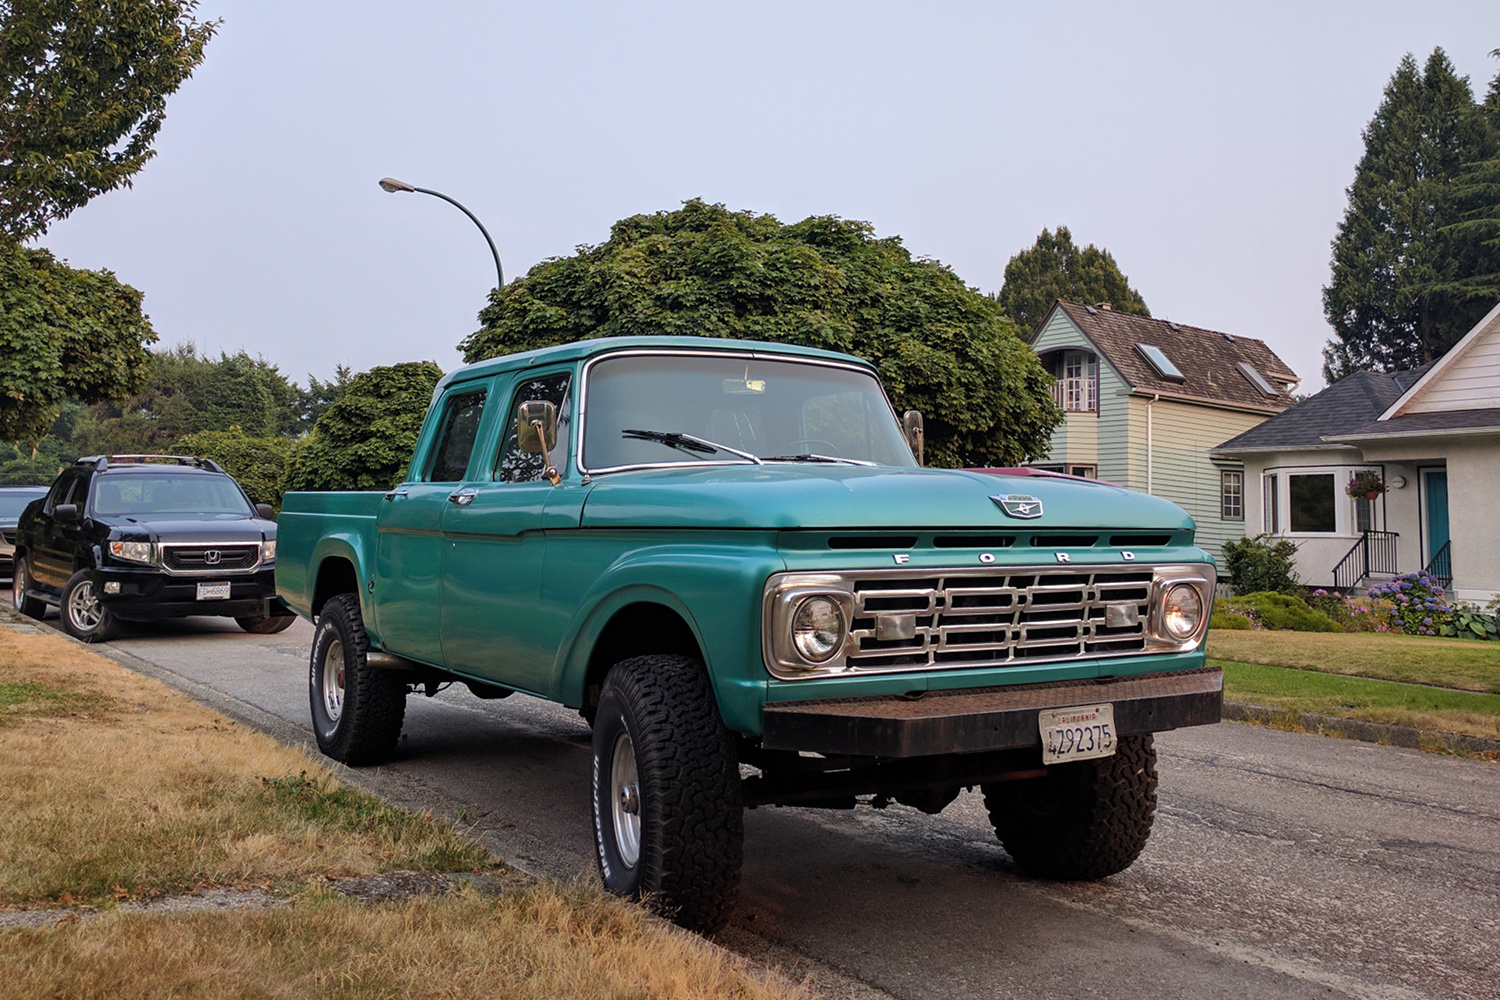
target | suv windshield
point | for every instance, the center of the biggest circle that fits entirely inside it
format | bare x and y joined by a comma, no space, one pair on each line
656,409
168,494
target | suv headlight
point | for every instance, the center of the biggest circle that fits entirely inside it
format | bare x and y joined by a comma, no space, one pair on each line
268,551
138,552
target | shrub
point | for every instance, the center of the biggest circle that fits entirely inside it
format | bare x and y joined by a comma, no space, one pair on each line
1420,607
1262,563
1226,620
1272,610
256,462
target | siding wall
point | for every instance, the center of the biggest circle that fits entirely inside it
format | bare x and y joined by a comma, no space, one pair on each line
1470,383
1088,438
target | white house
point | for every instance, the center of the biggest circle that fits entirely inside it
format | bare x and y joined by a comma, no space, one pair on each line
1433,435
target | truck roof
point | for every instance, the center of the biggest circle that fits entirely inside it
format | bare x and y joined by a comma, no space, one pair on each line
609,345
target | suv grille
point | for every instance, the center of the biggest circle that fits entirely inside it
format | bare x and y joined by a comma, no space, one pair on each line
202,559
999,617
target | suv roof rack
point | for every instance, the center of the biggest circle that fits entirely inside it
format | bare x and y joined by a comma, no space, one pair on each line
102,462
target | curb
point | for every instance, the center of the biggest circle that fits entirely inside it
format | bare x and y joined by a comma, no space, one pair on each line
1357,729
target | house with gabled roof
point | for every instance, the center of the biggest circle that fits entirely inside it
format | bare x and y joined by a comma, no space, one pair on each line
1145,400
1432,435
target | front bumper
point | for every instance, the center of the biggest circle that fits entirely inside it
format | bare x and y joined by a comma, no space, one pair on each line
148,596
979,719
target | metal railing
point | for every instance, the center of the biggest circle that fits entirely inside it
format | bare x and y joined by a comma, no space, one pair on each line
1375,552
1440,568
1076,395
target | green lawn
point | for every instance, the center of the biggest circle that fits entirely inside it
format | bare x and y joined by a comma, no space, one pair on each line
1464,664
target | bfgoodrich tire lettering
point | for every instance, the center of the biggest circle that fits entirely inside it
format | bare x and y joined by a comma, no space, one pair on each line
674,834
84,615
1083,821
357,710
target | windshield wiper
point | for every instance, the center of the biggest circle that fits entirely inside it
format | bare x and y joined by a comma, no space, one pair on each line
687,442
805,457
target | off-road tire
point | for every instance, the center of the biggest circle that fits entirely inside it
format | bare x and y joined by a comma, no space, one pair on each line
1083,821
691,815
83,613
366,723
31,607
266,624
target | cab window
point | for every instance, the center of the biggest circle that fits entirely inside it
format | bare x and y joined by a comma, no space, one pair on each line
512,465
455,439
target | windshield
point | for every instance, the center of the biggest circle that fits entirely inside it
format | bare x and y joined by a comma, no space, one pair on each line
11,504
159,494
654,409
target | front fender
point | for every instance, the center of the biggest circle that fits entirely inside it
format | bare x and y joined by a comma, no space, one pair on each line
716,588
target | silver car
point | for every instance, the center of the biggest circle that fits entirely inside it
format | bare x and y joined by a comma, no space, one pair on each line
13,500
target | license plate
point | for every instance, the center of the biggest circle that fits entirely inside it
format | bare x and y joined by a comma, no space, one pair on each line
1080,733
213,591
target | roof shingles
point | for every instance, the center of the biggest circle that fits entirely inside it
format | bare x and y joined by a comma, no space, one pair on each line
1207,359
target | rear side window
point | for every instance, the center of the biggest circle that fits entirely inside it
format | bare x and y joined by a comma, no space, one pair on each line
455,440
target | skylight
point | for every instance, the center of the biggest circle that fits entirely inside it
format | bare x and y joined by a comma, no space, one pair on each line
1256,378
1160,362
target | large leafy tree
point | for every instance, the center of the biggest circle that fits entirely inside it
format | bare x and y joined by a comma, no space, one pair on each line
703,270
63,333
85,90
364,441
1403,286
1055,268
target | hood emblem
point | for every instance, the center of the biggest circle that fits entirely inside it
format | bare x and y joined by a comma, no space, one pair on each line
1019,505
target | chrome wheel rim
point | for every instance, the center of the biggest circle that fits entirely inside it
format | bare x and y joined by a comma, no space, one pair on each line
333,680
625,801
83,607
18,585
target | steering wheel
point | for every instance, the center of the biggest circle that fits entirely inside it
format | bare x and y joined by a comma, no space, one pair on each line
829,448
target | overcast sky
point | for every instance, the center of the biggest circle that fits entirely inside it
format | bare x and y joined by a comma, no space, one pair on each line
1207,146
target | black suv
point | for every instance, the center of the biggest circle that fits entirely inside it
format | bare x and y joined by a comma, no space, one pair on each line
142,537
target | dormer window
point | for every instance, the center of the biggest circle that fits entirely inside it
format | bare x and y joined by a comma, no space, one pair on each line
1077,387
1159,360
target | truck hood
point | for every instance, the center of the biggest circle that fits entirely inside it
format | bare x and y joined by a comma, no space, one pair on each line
853,497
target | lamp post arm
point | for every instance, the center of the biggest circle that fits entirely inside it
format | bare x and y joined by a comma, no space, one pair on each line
499,272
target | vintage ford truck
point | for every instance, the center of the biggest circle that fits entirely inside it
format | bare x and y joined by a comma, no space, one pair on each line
728,557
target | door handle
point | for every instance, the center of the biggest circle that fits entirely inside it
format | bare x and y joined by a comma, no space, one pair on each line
393,494
463,497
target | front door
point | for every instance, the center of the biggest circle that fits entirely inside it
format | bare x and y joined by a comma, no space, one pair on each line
492,569
1435,489
408,560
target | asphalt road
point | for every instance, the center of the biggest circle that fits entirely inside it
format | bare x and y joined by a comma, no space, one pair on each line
1281,864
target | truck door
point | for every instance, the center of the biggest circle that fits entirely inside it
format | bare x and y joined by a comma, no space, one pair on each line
51,558
497,623
409,554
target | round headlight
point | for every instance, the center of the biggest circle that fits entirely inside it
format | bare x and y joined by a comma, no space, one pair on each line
817,629
1182,611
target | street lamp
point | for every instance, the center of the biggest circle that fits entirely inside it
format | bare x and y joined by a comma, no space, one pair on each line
391,185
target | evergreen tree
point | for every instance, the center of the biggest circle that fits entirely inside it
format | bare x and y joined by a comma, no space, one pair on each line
1403,289
1476,193
1054,268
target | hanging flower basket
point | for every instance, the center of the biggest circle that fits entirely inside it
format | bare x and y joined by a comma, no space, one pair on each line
1365,486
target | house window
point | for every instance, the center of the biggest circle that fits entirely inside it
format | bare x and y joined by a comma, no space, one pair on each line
1086,471
1271,508
1077,388
1364,515
1311,503
1232,495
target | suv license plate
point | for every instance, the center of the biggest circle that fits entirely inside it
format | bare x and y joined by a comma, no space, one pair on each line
1080,733
213,591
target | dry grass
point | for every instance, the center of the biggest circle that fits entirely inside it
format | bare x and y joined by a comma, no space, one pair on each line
114,786
546,943
1462,664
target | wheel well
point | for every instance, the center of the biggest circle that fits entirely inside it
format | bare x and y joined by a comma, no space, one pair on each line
636,630
335,576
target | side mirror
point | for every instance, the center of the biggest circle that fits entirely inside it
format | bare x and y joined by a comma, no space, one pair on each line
536,426
264,512
65,513
911,423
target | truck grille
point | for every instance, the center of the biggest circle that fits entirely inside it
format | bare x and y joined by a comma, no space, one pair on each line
998,618
209,558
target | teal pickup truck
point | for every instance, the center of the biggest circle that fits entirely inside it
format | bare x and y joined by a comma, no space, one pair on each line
727,556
